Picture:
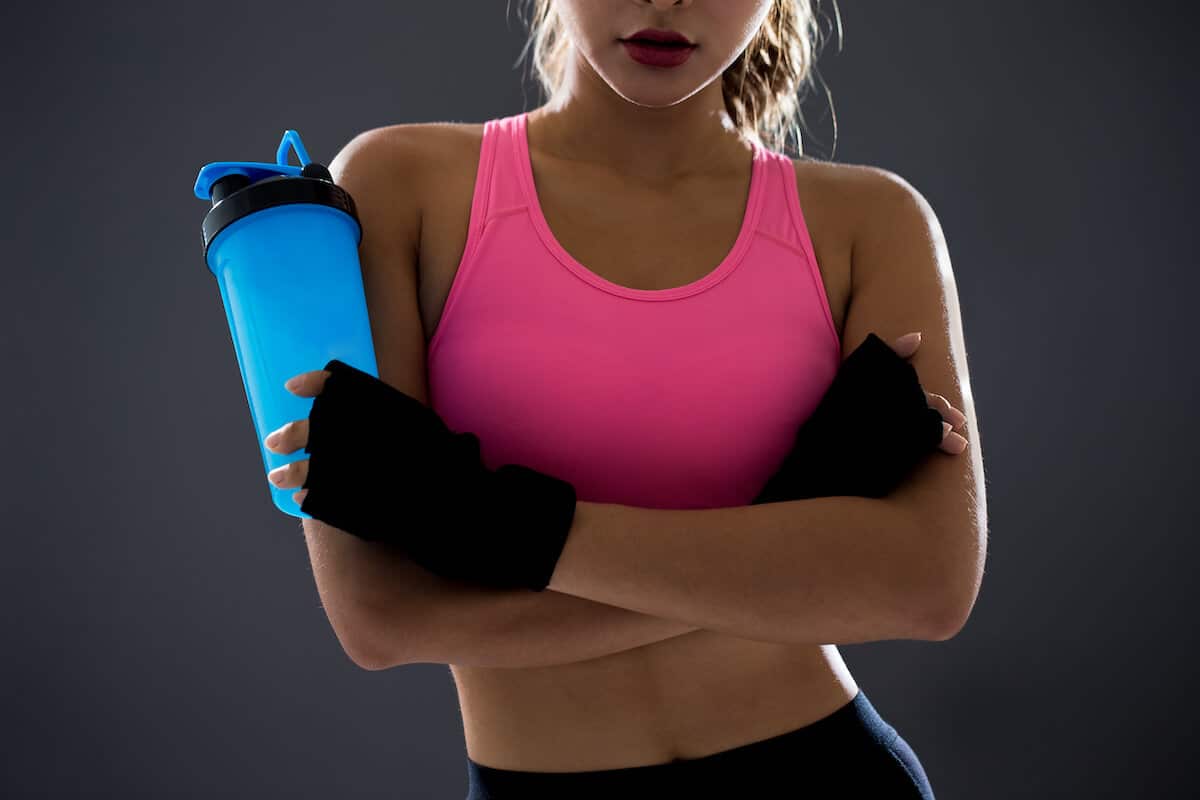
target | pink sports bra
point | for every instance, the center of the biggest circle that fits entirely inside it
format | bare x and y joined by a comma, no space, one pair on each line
688,397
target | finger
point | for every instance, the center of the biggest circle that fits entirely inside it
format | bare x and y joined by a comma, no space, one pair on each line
288,438
956,417
907,344
299,496
309,384
289,476
953,443
949,413
938,402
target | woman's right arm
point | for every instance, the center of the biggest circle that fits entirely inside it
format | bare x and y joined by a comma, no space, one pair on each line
419,617
385,609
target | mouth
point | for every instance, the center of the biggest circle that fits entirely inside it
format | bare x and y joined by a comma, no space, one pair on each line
651,37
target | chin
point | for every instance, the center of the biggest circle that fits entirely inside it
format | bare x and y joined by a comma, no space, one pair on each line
639,96
659,91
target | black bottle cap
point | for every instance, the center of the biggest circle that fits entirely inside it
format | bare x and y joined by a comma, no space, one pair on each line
235,196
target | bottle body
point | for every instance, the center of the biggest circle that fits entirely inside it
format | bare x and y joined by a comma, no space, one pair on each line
291,284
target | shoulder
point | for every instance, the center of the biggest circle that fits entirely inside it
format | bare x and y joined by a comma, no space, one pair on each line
412,146
872,202
859,190
406,155
394,172
851,200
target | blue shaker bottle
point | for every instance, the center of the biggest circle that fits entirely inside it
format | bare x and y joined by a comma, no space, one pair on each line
282,242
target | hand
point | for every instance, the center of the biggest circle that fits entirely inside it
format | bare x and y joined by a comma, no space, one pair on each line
386,468
905,346
872,428
291,437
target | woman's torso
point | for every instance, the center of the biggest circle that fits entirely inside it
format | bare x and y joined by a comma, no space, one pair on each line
693,694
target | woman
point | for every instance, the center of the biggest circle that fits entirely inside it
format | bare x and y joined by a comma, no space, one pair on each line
571,249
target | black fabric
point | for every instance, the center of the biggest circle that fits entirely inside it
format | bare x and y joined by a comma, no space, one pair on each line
871,429
383,466
851,753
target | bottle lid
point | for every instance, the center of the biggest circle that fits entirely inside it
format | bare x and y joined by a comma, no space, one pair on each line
239,188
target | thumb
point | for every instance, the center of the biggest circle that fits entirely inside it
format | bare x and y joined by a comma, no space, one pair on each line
907,344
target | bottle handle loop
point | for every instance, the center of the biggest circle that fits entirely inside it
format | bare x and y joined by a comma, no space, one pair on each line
291,139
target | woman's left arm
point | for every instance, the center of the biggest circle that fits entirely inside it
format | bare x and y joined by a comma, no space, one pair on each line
837,570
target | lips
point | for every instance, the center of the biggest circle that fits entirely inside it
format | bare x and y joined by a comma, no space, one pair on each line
653,43
658,55
654,36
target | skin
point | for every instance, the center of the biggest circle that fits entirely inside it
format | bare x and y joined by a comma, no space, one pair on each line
658,132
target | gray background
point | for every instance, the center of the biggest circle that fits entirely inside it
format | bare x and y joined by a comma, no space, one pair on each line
162,631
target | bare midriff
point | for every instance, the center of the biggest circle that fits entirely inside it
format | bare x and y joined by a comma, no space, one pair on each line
680,698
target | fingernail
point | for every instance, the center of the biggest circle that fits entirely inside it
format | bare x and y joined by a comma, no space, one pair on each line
272,440
945,428
292,384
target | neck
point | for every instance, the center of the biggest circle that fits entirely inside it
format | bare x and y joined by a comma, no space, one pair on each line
588,122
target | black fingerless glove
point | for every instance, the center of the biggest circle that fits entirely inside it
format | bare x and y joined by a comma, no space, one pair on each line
870,430
384,467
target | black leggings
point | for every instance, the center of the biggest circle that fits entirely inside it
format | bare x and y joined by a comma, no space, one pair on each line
852,752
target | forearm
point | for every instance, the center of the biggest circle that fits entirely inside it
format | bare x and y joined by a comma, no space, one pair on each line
416,616
519,628
837,570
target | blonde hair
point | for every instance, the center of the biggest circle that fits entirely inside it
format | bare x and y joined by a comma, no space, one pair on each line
763,87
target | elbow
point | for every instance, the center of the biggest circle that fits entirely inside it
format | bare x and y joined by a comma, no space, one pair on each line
369,660
946,621
366,655
949,605
373,666
359,648
365,642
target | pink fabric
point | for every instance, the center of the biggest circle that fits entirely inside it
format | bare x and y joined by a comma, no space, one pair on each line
686,397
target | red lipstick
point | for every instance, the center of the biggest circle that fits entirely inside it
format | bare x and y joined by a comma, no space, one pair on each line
658,48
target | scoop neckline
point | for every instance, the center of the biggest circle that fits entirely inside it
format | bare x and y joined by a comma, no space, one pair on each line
727,264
